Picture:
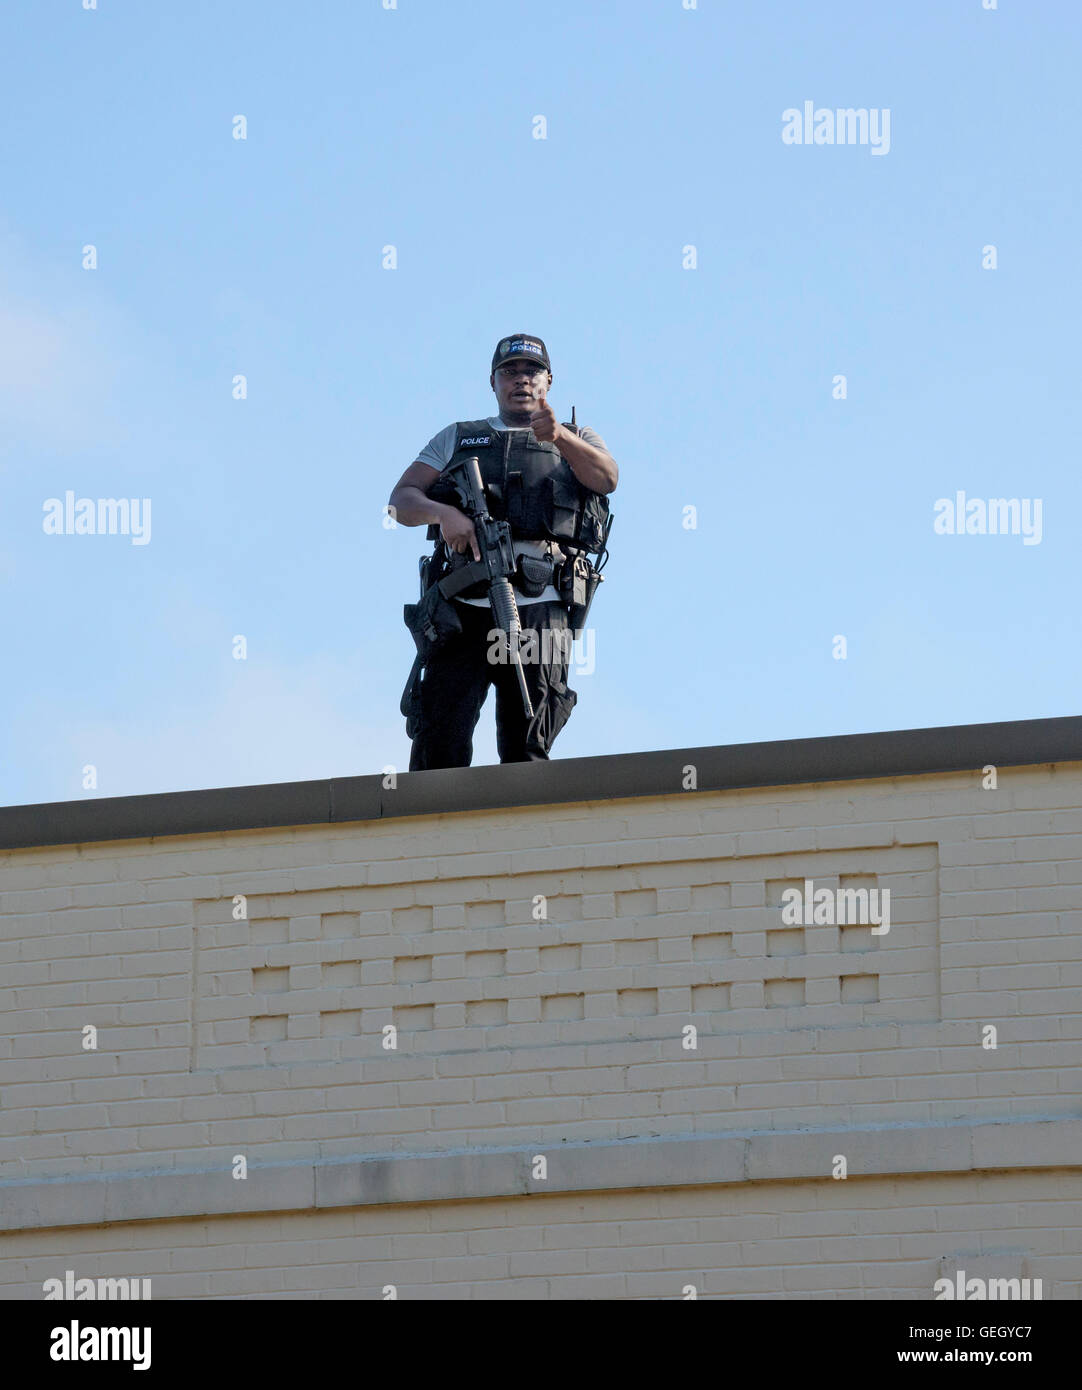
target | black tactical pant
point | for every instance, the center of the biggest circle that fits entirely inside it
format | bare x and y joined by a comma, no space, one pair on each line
456,682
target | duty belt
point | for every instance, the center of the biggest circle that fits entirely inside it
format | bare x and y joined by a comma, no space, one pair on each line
532,574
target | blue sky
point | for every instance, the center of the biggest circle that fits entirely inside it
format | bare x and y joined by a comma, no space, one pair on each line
713,387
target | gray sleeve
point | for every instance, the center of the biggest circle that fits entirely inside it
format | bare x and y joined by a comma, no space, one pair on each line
439,450
589,436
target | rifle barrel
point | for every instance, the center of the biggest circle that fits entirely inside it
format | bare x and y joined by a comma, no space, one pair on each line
505,610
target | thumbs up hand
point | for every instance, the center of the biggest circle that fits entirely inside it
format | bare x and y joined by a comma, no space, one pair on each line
544,424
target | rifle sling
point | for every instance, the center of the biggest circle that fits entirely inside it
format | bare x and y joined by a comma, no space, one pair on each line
460,579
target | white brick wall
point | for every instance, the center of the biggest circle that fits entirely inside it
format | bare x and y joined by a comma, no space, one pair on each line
264,1036
870,1238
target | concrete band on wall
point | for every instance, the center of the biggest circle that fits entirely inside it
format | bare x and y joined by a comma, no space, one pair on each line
906,752
712,1160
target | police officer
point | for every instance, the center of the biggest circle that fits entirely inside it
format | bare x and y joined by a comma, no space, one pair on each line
527,458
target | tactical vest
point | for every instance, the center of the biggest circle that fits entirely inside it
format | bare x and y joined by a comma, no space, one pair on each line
529,485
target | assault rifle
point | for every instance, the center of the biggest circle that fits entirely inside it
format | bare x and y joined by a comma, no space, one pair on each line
497,561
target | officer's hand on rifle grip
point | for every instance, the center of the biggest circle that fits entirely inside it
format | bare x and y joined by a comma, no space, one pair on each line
456,528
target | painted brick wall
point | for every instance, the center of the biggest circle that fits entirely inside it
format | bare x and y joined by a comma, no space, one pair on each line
540,965
867,1238
267,1032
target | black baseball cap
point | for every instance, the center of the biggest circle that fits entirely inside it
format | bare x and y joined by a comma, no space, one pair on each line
521,345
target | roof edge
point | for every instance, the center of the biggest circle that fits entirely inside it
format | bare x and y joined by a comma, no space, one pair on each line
784,762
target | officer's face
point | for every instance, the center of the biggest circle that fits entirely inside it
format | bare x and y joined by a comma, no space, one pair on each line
519,386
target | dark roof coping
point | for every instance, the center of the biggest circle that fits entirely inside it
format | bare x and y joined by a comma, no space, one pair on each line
840,757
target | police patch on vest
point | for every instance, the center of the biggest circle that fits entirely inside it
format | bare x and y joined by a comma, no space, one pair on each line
480,439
